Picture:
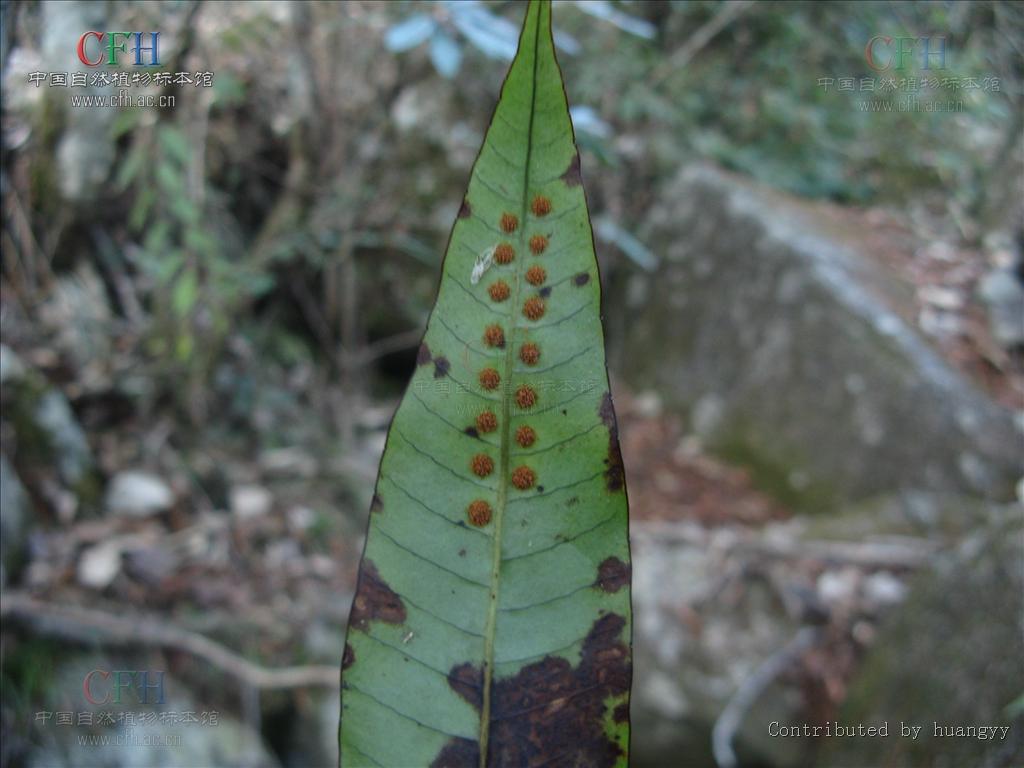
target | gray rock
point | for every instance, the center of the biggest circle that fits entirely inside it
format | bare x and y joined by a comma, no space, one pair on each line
950,655
47,434
99,565
227,743
249,501
86,149
138,494
1003,295
15,521
773,334
54,416
11,367
151,565
78,311
692,650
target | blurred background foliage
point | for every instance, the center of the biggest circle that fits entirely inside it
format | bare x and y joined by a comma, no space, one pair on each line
319,162
209,310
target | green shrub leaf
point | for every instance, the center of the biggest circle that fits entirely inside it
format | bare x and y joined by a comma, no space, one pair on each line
491,624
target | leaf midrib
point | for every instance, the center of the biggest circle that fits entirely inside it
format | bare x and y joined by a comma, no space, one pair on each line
506,414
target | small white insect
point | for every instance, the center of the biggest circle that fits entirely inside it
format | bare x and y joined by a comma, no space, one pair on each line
407,638
483,263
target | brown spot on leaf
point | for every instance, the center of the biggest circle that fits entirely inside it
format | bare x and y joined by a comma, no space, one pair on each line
504,253
509,222
441,367
482,465
526,436
533,308
465,211
375,601
615,474
607,413
538,244
612,574
572,176
550,713
458,753
499,290
523,478
487,421
529,353
479,513
467,681
541,206
494,336
581,279
376,504
423,354
348,658
526,396
536,275
489,378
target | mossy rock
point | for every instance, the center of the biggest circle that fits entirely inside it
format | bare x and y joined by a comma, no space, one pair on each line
785,343
47,433
951,656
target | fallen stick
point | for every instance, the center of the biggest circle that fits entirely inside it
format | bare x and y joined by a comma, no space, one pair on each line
727,12
90,625
906,553
731,718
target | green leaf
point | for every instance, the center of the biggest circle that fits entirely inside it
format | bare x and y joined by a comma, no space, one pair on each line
491,624
185,293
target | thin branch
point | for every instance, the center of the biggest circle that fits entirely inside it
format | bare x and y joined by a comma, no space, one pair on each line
906,552
381,347
731,718
90,625
727,12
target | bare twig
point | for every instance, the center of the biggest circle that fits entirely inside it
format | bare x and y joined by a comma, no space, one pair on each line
90,625
904,552
387,345
727,12
747,694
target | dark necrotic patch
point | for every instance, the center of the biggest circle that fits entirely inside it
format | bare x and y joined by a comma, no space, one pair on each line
376,504
544,292
472,432
581,279
615,474
572,176
458,753
467,681
621,713
441,367
465,211
348,658
375,601
550,713
423,354
612,574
